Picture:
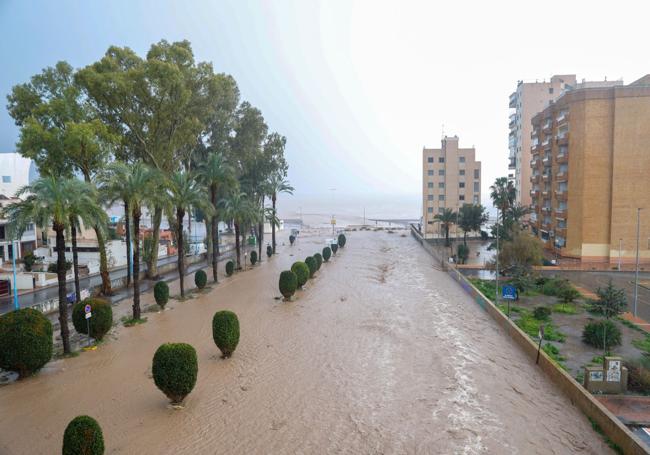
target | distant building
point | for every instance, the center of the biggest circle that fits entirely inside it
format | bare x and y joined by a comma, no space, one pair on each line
451,178
27,243
529,99
15,172
590,167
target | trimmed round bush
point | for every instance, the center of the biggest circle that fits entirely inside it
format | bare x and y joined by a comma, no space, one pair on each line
225,332
598,333
100,322
327,253
319,260
200,279
342,240
25,341
302,272
292,238
335,248
230,268
311,263
161,293
253,257
83,435
269,251
288,284
175,368
541,313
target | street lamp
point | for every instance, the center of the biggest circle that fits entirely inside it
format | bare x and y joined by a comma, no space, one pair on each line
13,264
496,277
636,272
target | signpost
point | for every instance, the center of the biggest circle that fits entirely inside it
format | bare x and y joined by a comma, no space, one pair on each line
509,292
87,310
541,337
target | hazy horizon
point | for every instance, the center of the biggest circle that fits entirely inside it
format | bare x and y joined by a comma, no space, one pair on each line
358,88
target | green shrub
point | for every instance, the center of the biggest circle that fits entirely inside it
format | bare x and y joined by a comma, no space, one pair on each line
25,341
335,248
598,333
292,238
311,263
288,284
200,279
83,435
230,268
175,368
302,272
541,313
463,253
319,260
327,253
342,240
253,257
554,286
568,294
225,332
29,260
269,251
100,322
52,267
161,293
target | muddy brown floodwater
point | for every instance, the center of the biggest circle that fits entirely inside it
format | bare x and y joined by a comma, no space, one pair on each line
381,353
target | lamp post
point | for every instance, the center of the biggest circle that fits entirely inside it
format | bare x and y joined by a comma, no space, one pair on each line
636,272
496,276
13,264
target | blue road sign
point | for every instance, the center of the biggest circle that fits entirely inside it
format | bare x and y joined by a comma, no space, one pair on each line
87,308
509,292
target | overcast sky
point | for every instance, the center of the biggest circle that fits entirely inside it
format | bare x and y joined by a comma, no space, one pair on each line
360,87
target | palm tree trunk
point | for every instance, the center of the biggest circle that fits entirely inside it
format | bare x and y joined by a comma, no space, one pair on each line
214,233
237,246
273,198
103,262
180,213
60,274
152,265
127,228
75,261
136,262
260,234
465,238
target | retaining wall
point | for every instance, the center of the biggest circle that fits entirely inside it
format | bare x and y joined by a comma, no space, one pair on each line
579,396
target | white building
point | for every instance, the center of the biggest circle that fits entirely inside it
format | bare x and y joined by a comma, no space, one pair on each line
15,172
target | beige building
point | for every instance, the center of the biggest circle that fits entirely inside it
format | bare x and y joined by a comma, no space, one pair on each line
591,171
451,178
529,99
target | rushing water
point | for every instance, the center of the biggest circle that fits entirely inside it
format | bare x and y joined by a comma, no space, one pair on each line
381,353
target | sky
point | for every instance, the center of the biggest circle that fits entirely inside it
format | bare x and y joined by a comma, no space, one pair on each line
357,87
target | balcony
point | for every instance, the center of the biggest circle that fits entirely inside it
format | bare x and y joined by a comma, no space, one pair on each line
547,160
548,125
546,176
534,192
513,121
561,195
562,155
533,217
513,100
533,162
560,211
563,117
535,178
563,138
513,163
546,141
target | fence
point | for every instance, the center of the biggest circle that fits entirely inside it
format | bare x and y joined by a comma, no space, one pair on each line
611,426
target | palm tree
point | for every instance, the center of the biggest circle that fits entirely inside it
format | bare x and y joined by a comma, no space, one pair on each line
183,194
503,194
47,203
277,184
84,210
238,208
446,218
136,185
213,174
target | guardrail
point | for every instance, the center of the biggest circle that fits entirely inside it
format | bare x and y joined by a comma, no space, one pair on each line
579,396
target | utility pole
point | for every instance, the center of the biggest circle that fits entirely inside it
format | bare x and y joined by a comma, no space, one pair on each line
496,277
13,263
636,272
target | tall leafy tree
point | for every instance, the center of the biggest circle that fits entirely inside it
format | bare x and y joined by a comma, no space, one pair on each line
470,219
47,203
62,133
446,218
276,184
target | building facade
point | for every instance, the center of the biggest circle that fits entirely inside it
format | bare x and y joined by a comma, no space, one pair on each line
16,171
590,166
451,178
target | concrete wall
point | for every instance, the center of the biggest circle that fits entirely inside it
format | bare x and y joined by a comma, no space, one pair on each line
611,426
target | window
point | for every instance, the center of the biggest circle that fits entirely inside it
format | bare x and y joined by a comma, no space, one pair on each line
429,209
441,184
441,172
475,199
461,197
461,172
430,185
550,91
477,173
461,184
441,159
441,210
430,159
441,197
6,179
430,172
477,187
430,197
461,159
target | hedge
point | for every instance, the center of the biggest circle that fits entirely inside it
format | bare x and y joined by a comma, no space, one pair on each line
302,272
83,435
175,368
288,284
598,333
200,279
327,253
101,319
342,240
269,251
225,331
253,257
311,263
335,248
161,293
25,341
230,268
319,260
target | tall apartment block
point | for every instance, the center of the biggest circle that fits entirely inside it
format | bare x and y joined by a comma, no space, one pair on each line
451,178
591,171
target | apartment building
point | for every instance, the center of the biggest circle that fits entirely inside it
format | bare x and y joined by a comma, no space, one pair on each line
451,178
590,162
